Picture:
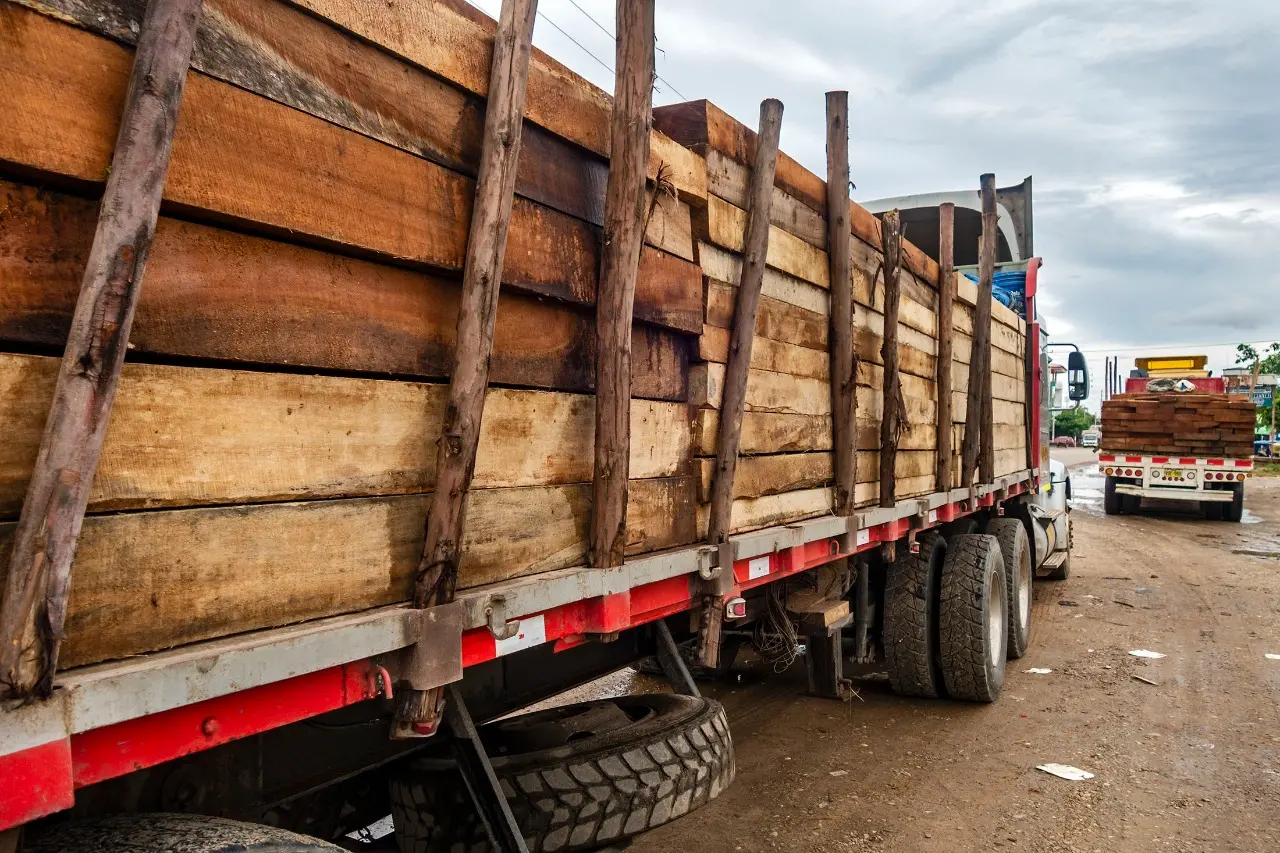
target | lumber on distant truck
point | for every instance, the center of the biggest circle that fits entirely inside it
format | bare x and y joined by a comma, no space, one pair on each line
269,457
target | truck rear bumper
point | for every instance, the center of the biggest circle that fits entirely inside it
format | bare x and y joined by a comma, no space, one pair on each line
1196,495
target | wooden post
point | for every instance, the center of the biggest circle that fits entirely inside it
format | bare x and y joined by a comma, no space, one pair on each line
976,408
893,411
844,399
419,712
624,223
946,309
986,276
44,544
756,247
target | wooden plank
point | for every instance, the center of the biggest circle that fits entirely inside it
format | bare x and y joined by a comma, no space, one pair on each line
280,52
769,432
215,294
754,513
728,180
625,210
765,391
766,354
946,333
305,179
34,605
181,436
454,40
776,320
247,568
1002,387
726,267
843,370
982,322
758,476
723,224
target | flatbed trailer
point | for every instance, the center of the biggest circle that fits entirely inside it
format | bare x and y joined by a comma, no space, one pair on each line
241,628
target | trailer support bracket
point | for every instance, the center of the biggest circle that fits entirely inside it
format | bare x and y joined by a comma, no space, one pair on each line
482,783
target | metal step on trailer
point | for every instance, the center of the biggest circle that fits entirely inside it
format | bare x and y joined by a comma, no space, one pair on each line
1056,559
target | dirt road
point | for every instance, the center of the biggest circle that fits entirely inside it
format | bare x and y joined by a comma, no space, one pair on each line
1190,763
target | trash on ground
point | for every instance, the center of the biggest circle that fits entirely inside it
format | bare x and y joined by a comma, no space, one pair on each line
1123,603
1116,578
1143,653
1065,771
1143,590
1065,603
1272,657
839,772
1145,680
1038,670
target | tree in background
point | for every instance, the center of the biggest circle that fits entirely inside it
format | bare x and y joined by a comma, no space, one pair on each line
1072,422
1267,361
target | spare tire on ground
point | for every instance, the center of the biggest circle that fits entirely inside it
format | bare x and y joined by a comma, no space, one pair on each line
576,776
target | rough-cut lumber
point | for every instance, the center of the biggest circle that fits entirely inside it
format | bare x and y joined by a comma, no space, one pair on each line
278,51
776,320
419,711
772,432
946,335
766,354
758,476
625,212
783,393
152,580
893,407
182,436
225,296
728,180
305,178
452,40
843,374
756,242
723,224
754,513
34,607
726,267
1182,424
982,319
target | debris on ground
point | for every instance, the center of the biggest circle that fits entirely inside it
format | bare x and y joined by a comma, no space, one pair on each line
1038,670
1143,653
1065,771
1145,680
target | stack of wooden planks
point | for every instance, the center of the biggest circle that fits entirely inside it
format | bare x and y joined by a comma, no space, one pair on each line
786,431
271,451
1179,424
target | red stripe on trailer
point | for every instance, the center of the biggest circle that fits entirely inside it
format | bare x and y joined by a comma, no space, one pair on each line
1106,457
1133,459
1159,460
147,741
1244,463
1186,461
37,782
1217,462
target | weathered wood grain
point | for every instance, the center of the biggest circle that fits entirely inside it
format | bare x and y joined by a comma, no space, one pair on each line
844,397
222,295
728,180
453,40
946,335
758,476
893,405
153,580
182,436
306,176
766,354
771,432
726,267
776,320
723,224
34,604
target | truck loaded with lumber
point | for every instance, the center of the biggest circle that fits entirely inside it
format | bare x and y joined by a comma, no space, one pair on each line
1176,435
368,377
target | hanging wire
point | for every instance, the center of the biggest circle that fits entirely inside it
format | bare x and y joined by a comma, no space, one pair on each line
606,31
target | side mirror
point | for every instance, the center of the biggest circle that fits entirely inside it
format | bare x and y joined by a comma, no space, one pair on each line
1077,376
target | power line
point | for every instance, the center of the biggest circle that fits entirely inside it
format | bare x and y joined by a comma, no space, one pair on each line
575,41
606,31
1171,346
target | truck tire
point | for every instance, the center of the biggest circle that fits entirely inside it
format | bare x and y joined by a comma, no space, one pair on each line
171,833
1234,511
1111,500
576,777
912,588
973,637
1211,510
1015,547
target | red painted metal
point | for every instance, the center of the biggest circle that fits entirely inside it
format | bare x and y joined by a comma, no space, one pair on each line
1208,384
147,741
1187,461
1160,460
35,782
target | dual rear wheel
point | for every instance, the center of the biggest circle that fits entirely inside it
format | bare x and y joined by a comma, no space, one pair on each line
957,610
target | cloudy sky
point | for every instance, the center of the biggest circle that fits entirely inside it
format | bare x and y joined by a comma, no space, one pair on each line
1152,128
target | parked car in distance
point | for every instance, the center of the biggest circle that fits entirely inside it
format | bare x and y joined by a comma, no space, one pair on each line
1063,441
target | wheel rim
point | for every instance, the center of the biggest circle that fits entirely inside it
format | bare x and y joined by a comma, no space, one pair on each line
995,618
1024,590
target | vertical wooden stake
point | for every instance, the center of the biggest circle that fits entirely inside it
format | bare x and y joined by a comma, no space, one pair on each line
844,399
946,308
756,247
44,545
893,412
419,711
624,222
986,276
976,412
